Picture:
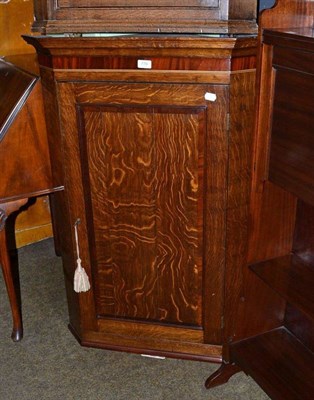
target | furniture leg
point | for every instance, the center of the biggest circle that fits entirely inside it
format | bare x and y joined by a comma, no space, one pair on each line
222,375
5,210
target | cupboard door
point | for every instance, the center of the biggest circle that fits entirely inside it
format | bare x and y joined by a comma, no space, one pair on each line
141,185
136,159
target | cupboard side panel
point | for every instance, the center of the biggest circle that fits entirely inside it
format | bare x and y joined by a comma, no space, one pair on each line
215,204
74,202
58,201
246,313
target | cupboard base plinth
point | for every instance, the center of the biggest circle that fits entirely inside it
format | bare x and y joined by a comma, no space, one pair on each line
150,346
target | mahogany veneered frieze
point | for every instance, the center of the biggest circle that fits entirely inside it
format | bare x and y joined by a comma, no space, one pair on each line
159,63
169,53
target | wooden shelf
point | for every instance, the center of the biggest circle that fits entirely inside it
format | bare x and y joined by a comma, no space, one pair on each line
291,278
279,363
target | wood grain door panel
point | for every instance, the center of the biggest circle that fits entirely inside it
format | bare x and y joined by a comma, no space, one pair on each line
142,183
136,163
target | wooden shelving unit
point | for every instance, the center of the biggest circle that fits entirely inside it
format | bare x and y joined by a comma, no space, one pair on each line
279,363
273,335
282,360
290,277
277,360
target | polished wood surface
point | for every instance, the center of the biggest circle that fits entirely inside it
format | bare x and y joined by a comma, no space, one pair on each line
16,18
25,161
15,87
137,203
304,234
287,14
292,278
21,133
291,162
268,201
34,224
138,206
196,16
279,363
154,219
192,52
273,308
300,325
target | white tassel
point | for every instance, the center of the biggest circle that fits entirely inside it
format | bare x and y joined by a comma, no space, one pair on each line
81,281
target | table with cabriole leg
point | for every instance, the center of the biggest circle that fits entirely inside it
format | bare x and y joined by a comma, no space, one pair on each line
24,160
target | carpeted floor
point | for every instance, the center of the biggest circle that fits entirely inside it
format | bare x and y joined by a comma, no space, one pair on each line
49,363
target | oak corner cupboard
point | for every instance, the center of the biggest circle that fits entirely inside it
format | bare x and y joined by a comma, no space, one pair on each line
151,135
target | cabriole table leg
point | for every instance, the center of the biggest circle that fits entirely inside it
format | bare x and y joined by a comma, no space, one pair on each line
5,210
